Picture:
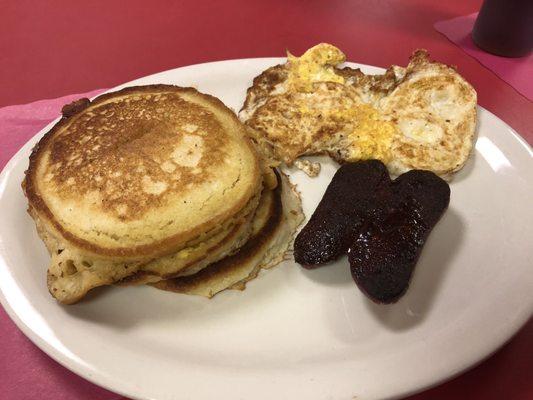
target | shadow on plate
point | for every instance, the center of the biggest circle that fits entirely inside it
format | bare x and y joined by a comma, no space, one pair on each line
131,306
436,258
126,307
334,274
467,169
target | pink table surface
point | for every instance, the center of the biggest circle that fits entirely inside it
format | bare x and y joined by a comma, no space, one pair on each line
517,72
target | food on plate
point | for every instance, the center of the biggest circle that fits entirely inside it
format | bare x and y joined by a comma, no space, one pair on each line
165,186
387,246
277,217
381,224
422,116
330,230
142,183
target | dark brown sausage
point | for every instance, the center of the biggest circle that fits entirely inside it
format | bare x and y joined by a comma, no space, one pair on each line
328,233
382,224
385,250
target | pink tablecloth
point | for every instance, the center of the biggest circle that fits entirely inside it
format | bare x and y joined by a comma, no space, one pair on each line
517,72
41,377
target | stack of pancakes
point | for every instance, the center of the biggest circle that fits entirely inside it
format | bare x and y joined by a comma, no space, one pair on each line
156,185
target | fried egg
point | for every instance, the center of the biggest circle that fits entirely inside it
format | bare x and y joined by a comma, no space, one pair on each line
419,117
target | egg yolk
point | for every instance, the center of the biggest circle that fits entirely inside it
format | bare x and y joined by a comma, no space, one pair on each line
370,136
315,65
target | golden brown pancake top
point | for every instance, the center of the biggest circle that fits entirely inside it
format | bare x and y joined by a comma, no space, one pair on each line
134,151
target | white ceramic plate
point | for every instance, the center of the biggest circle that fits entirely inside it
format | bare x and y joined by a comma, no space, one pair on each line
295,334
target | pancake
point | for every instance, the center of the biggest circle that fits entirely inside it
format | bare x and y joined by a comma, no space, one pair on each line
192,259
68,280
134,176
277,219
